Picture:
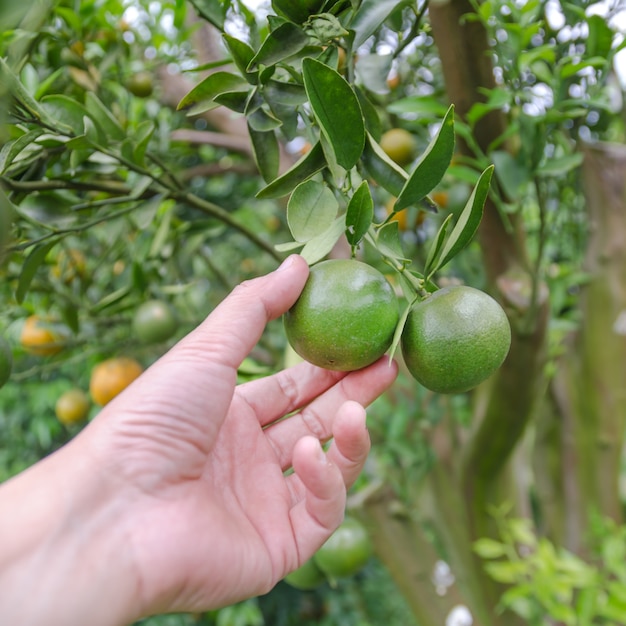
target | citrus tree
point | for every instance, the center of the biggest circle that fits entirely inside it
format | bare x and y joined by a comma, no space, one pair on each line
152,157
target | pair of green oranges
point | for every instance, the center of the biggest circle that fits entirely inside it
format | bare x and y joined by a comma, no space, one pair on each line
347,314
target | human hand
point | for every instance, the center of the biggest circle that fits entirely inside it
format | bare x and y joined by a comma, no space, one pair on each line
190,469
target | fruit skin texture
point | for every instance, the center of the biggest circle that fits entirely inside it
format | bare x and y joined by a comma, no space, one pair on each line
346,551
72,407
307,576
38,337
399,145
455,339
345,316
111,377
6,361
154,321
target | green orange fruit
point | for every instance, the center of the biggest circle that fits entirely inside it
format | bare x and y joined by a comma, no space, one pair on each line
346,551
141,84
399,145
455,339
307,576
72,407
154,321
345,316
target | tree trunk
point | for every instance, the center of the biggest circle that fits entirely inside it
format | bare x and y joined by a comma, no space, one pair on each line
589,387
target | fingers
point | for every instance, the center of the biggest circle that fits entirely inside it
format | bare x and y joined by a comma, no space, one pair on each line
317,417
351,442
320,480
231,331
276,396
320,507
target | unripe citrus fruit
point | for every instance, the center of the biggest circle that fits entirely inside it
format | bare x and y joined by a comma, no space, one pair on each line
6,361
111,377
72,407
345,316
39,336
399,145
455,339
346,551
140,84
154,321
307,576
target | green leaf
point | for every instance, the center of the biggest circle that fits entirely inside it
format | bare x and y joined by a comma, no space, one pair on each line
242,55
312,207
289,94
337,110
280,44
142,138
487,548
560,165
111,298
385,172
30,267
103,118
326,27
11,149
67,114
311,163
263,121
288,246
12,84
370,16
162,233
431,166
213,85
318,247
212,10
506,572
498,98
299,11
373,124
511,175
426,106
359,214
233,100
571,69
266,152
468,222
435,247
389,244
522,532
600,38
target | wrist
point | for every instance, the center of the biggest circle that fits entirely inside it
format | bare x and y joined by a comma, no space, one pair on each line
63,558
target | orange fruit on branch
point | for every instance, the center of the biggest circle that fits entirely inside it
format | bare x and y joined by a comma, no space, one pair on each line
40,336
111,377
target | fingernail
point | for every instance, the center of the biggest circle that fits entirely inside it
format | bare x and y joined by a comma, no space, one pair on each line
287,263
